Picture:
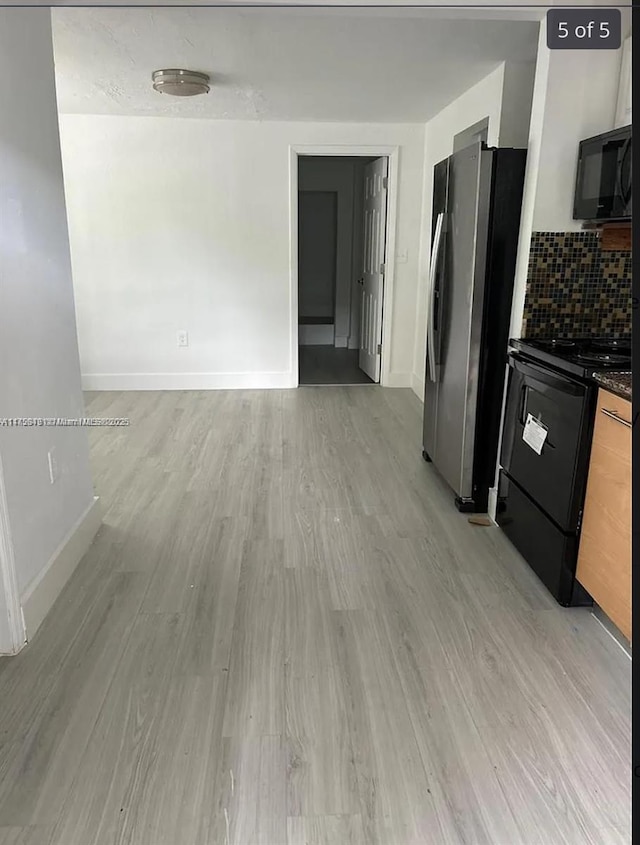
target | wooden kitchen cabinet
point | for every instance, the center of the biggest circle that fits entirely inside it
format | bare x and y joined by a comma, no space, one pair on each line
604,555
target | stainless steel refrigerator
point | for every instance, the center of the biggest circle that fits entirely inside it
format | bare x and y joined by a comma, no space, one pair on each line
477,199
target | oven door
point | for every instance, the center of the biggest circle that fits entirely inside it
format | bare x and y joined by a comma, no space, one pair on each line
555,478
603,181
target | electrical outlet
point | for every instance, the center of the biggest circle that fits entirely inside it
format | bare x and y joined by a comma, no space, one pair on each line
402,256
183,338
53,465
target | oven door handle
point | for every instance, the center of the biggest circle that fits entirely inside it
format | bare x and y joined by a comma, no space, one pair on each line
532,373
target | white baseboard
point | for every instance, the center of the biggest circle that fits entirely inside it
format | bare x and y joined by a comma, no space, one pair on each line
417,385
312,334
341,342
186,381
42,592
353,343
398,380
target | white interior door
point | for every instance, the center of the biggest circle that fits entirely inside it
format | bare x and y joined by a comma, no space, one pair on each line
375,226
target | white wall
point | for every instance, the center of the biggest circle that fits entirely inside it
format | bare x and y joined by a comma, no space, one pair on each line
336,174
11,630
493,97
317,231
517,97
184,224
574,97
39,372
624,104
579,101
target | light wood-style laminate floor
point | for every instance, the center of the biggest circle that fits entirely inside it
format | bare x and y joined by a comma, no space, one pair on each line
285,634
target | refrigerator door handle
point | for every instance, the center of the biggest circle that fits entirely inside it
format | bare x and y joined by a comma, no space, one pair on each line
435,257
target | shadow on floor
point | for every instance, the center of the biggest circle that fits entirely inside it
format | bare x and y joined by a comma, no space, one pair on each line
330,365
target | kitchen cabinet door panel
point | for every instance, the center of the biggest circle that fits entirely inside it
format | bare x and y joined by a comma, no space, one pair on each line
604,557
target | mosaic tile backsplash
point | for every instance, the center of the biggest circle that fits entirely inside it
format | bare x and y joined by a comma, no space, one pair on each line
576,289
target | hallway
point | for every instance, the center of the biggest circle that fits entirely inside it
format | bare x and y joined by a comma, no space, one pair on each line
284,633
330,365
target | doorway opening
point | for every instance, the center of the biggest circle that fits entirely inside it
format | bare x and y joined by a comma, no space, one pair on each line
342,218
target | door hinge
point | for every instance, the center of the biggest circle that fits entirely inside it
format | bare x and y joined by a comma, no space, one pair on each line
379,349
382,268
385,182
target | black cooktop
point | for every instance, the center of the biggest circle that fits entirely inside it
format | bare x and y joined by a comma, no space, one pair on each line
580,356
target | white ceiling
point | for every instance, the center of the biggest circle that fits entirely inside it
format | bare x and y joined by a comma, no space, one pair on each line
388,65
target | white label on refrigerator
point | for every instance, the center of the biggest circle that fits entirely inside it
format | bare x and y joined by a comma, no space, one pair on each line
534,434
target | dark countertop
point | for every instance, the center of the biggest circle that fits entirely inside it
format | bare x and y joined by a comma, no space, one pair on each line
617,382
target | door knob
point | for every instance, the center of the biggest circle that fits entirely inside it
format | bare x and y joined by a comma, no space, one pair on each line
361,281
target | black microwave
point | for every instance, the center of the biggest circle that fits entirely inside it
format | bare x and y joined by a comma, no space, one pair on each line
603,181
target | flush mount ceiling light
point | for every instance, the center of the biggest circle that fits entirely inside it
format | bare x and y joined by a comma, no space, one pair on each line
180,83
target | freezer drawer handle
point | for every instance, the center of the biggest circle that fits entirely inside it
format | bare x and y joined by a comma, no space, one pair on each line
614,416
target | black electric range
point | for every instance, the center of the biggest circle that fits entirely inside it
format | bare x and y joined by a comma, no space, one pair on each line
544,459
580,357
